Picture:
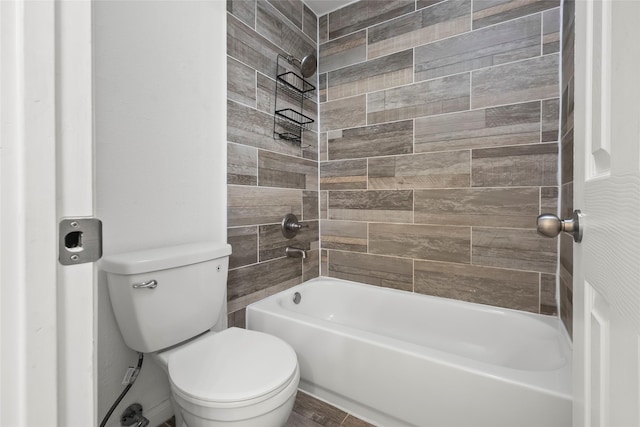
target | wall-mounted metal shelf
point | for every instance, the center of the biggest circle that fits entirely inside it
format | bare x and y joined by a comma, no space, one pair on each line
291,90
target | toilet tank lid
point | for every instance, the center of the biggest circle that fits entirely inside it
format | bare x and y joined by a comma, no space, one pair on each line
155,259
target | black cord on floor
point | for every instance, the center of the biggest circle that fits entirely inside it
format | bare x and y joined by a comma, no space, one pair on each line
124,392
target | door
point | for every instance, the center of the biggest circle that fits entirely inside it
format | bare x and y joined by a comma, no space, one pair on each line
47,354
606,286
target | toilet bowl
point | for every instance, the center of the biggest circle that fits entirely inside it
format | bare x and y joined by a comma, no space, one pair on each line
232,378
171,302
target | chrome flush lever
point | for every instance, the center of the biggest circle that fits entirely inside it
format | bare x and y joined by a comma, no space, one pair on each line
549,225
151,284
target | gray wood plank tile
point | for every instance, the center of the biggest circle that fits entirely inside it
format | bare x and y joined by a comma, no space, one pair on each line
277,170
261,205
343,113
423,26
499,44
371,205
566,207
344,235
548,303
438,96
250,48
311,265
242,86
437,243
566,171
309,205
244,10
551,31
377,74
266,95
343,175
254,128
492,207
376,270
550,119
324,262
310,145
525,165
310,23
566,307
242,164
426,3
281,32
322,87
488,12
273,243
323,29
513,248
249,284
371,141
323,142
364,14
566,252
292,9
548,199
527,80
236,319
324,205
483,285
342,52
244,241
496,126
428,170
566,118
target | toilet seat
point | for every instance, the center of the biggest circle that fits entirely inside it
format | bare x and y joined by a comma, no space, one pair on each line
232,369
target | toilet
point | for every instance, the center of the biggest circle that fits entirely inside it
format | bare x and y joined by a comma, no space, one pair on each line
171,302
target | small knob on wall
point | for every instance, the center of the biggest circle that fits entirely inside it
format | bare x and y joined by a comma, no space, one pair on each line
549,225
290,226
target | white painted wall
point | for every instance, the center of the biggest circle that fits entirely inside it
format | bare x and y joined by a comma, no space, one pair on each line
160,129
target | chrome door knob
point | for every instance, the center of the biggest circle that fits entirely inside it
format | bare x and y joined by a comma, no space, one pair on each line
549,225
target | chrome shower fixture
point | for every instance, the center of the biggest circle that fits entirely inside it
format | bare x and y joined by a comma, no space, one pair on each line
307,65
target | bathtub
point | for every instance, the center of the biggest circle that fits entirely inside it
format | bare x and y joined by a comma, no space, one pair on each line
396,358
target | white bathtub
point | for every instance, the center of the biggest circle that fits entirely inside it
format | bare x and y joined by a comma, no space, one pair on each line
400,359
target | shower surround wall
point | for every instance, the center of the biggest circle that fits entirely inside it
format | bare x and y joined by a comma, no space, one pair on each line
267,178
439,147
566,175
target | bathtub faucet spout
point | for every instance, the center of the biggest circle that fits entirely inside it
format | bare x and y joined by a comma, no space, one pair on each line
292,252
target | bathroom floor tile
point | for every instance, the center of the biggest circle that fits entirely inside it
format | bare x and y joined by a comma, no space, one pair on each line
311,412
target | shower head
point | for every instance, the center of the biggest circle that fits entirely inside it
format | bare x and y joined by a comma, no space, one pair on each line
307,64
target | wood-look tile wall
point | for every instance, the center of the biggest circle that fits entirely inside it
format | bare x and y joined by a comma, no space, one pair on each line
439,135
566,153
267,178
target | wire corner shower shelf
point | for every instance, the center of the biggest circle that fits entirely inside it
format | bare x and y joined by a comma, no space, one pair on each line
289,122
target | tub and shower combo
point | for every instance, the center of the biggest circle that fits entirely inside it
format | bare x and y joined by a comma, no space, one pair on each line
401,359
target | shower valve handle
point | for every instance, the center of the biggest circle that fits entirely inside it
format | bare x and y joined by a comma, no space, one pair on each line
290,226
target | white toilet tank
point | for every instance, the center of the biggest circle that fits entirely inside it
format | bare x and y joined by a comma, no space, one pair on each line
187,298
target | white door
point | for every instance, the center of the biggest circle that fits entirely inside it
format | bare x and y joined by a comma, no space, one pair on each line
606,285
47,327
